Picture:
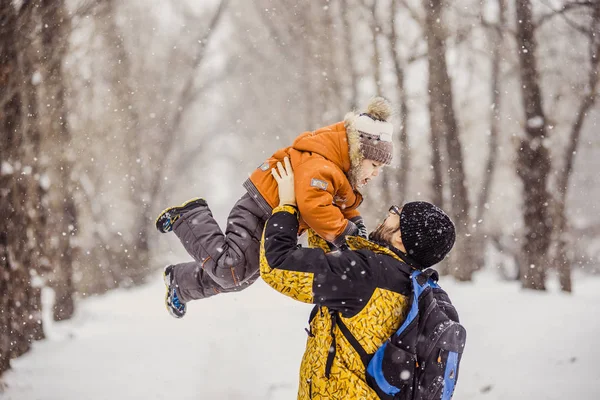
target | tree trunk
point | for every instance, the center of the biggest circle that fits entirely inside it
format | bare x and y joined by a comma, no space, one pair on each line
349,52
334,107
403,151
533,164
444,125
563,261
35,201
376,60
136,264
55,35
387,184
14,274
435,52
495,112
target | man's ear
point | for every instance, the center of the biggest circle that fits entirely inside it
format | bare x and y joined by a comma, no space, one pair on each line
397,241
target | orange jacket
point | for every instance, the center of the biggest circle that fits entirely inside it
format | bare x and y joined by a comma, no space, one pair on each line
323,161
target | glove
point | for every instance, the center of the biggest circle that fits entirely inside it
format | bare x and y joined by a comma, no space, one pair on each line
362,228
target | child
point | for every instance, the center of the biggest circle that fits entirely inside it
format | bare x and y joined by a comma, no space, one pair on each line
331,164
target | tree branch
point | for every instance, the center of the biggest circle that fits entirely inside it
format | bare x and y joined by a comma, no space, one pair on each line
586,103
561,11
200,54
187,95
414,14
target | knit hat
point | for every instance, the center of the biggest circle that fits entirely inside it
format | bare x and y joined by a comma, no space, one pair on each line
376,132
427,233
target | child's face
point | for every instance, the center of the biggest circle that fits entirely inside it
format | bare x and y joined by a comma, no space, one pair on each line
369,169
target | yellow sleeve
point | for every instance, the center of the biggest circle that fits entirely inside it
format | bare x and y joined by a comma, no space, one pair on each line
295,284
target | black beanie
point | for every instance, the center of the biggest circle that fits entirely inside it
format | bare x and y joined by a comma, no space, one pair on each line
427,233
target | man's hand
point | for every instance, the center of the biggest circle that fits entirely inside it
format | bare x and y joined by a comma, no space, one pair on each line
285,182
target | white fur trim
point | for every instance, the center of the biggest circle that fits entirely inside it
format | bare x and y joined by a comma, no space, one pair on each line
366,124
356,156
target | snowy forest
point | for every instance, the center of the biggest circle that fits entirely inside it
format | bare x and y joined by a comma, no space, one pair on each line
111,111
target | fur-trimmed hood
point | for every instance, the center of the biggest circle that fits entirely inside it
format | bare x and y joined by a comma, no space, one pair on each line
354,152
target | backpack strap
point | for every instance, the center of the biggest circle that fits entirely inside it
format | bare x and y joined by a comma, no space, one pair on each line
332,349
420,282
313,314
364,356
336,320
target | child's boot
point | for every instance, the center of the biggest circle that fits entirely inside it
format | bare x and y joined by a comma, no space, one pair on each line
175,307
166,219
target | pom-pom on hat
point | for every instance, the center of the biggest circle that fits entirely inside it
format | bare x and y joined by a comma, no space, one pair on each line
375,131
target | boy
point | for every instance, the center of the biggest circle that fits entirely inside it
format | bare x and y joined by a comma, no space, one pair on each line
331,164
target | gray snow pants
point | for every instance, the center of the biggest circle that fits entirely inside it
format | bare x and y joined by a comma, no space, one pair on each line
223,263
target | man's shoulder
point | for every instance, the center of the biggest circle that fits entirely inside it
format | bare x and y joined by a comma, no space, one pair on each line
383,267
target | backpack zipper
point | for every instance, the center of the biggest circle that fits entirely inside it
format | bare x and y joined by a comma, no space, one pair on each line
435,340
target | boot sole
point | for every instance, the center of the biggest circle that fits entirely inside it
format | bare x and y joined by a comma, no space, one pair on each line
173,208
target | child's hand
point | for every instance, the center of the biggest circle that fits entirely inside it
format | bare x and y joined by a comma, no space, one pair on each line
284,175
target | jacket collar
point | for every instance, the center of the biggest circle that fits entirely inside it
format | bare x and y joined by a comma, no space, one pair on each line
358,243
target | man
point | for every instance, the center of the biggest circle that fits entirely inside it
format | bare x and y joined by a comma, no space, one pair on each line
367,288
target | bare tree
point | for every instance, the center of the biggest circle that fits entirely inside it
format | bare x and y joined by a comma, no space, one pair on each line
10,112
375,28
173,125
376,25
19,248
349,53
490,167
562,261
403,115
436,48
36,199
403,111
54,119
444,129
533,165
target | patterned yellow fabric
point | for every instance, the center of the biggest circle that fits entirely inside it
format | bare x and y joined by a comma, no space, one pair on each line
358,243
297,285
286,208
372,326
316,242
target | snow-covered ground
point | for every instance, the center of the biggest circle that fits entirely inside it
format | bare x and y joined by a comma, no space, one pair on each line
248,345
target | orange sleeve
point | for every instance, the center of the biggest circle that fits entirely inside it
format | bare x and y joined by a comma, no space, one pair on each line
315,185
349,214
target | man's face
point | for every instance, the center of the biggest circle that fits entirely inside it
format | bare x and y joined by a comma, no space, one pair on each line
389,226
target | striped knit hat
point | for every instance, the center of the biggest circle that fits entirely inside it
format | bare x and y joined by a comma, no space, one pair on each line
376,132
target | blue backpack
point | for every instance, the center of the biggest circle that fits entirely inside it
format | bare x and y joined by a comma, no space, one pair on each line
420,361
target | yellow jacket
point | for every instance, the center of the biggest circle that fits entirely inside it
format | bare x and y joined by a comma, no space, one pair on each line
365,288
